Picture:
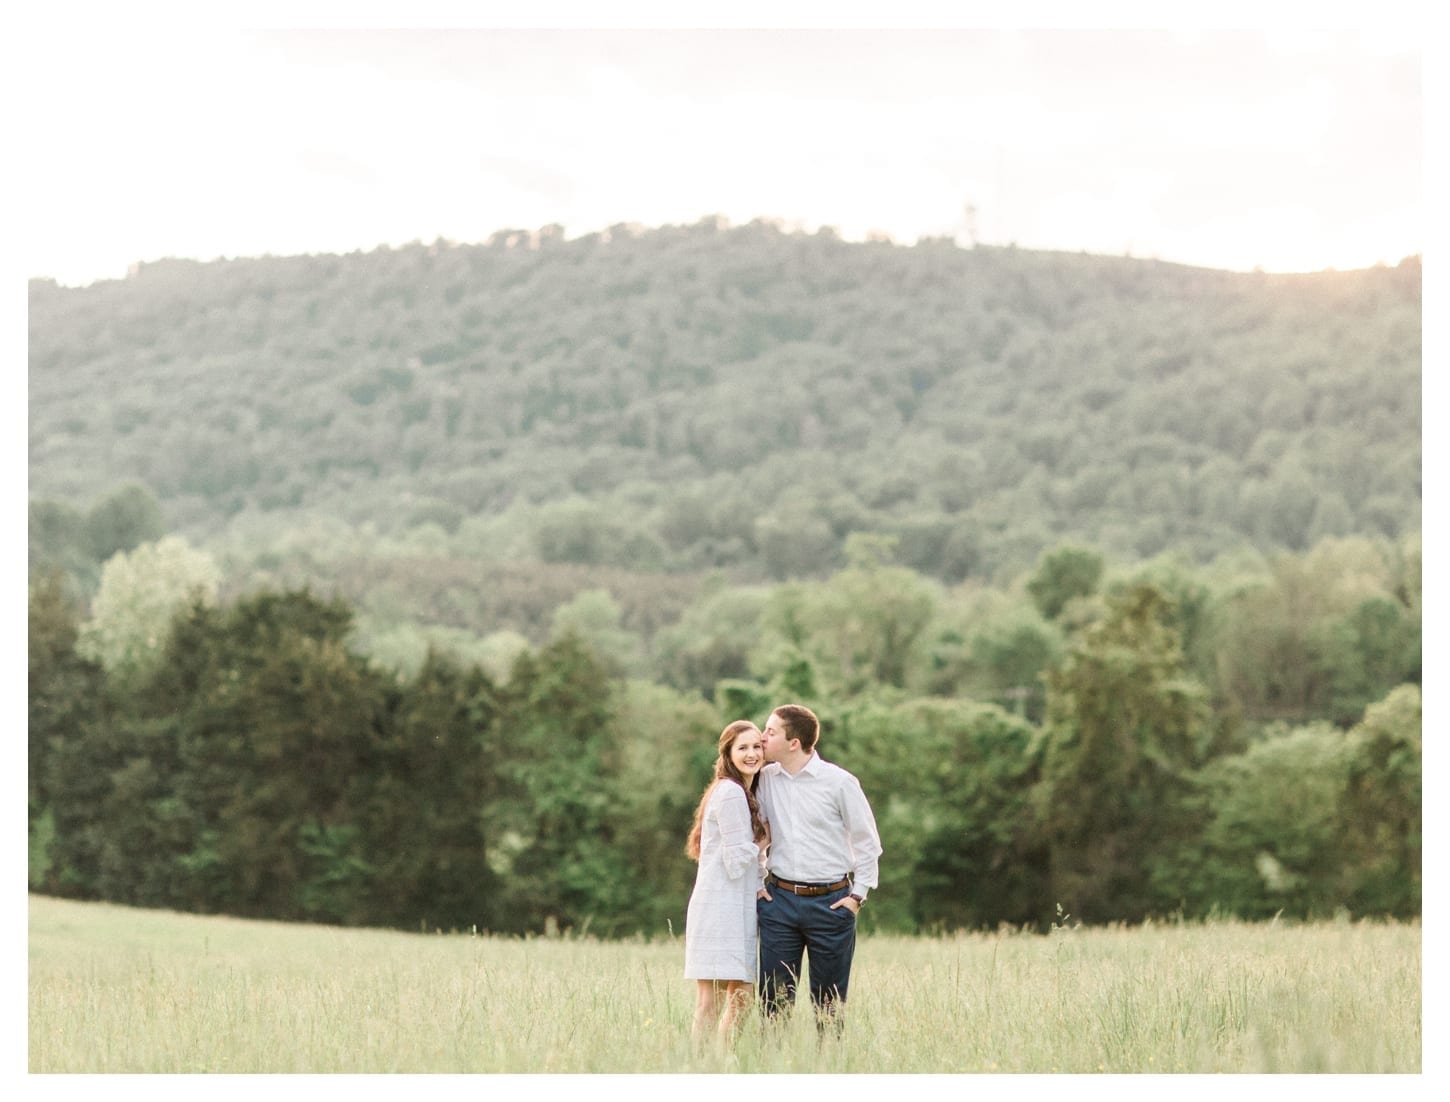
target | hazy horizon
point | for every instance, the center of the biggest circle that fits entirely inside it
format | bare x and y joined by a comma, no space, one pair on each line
1273,149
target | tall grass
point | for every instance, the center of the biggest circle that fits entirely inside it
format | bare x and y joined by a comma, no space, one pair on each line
120,990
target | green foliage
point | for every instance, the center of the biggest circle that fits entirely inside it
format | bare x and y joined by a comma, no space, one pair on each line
404,647
1124,730
40,838
554,797
143,828
742,699
1360,653
140,592
595,617
1190,594
499,651
420,806
951,786
278,723
57,543
66,538
860,628
1381,814
712,639
992,646
743,398
458,604
66,694
1310,821
578,531
126,519
1269,841
1316,635
795,547
657,767
60,681
334,870
1061,575
265,766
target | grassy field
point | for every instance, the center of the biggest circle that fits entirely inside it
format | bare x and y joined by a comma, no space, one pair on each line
120,990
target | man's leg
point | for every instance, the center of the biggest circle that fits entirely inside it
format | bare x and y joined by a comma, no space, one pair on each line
830,938
781,950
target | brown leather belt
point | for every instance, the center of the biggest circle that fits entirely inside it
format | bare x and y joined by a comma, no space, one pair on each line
806,889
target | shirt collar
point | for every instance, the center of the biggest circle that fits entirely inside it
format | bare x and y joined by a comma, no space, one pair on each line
811,766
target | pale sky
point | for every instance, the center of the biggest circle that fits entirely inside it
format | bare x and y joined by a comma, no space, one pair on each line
1280,148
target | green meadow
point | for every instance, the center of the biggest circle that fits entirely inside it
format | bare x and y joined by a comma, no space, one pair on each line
112,989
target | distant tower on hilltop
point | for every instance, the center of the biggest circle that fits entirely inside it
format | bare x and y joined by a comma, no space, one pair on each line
966,235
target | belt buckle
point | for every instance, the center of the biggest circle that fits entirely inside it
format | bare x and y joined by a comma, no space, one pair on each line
806,890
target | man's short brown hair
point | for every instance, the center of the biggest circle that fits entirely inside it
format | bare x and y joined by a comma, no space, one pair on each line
799,722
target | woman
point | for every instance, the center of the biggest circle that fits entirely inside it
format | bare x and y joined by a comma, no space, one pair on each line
727,839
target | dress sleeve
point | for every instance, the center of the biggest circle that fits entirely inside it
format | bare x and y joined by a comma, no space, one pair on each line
737,841
762,865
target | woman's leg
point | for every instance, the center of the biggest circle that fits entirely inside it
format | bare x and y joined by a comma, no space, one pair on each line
739,997
707,1007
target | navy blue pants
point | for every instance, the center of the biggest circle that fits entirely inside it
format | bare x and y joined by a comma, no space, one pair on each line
793,927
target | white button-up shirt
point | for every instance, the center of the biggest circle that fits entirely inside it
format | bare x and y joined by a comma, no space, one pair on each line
821,826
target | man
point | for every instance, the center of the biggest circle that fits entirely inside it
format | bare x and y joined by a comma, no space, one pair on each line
822,863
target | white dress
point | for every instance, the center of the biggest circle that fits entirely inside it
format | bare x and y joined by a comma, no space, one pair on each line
720,920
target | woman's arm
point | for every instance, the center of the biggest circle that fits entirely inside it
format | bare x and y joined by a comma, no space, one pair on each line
738,848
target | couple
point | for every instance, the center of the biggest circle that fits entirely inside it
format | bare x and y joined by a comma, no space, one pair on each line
787,845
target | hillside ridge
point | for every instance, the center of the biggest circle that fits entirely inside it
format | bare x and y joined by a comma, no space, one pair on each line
709,397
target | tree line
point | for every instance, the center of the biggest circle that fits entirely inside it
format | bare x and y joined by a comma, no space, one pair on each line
678,399
1127,742
411,587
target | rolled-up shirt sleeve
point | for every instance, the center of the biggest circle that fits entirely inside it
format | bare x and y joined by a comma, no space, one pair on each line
738,848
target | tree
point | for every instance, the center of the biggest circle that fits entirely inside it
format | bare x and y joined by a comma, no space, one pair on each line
712,640
420,805
276,722
66,702
57,542
1010,654
654,777
123,521
580,531
1124,730
1062,574
863,625
951,784
1381,814
1363,654
1267,837
143,831
627,368
795,547
1320,634
594,616
140,592
554,844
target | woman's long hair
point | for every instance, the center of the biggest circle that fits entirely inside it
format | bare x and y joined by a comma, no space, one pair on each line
725,770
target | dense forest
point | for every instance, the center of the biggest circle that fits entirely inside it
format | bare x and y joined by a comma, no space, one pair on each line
677,399
411,587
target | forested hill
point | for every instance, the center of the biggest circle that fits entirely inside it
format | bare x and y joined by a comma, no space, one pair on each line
686,398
